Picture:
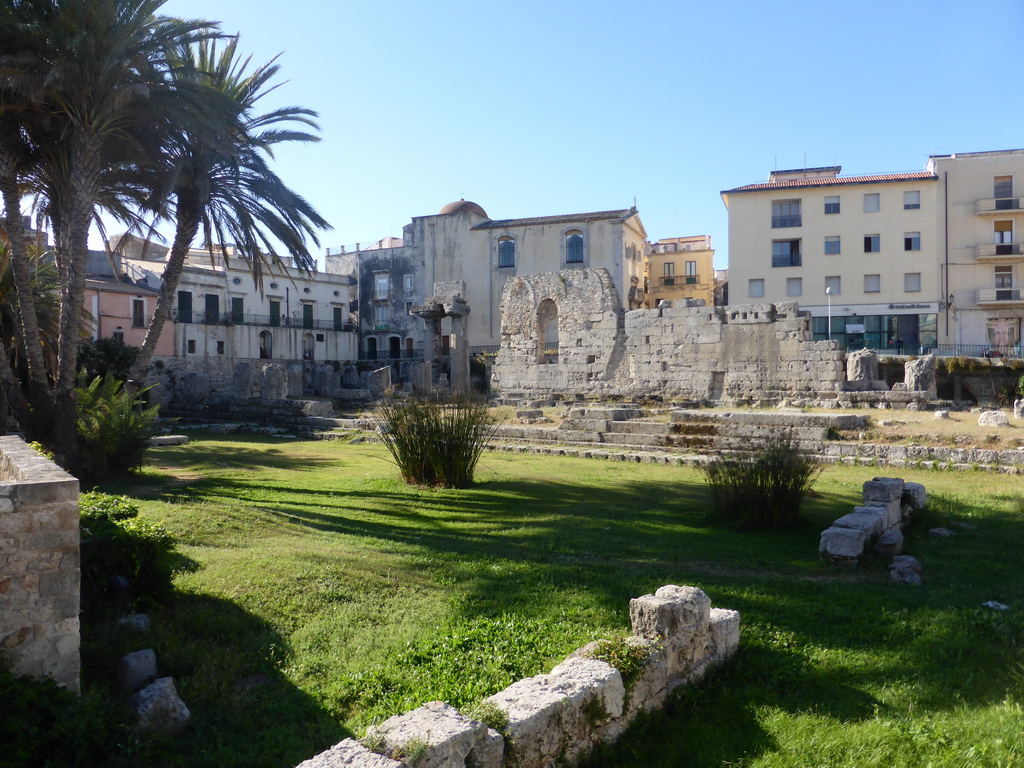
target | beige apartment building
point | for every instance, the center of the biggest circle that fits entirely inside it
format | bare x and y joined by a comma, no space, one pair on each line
901,261
680,268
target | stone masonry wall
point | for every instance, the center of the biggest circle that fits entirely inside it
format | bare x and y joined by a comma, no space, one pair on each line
39,565
558,717
758,352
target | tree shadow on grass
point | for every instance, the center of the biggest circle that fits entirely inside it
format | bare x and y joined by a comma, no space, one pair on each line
225,664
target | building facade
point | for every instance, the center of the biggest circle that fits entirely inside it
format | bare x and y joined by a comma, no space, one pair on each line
680,268
462,242
899,261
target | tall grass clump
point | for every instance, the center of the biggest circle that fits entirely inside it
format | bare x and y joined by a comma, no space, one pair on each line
436,441
764,489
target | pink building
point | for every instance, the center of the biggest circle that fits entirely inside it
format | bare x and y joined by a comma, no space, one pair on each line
122,310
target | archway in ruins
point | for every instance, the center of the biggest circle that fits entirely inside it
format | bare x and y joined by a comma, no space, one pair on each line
547,329
266,345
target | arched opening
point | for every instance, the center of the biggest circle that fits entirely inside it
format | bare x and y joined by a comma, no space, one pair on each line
266,345
408,346
307,346
371,348
395,347
547,332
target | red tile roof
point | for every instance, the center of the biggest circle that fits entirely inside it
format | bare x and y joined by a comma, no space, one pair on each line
877,178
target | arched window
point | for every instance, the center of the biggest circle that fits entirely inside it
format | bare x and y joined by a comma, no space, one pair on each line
547,332
307,346
506,252
574,247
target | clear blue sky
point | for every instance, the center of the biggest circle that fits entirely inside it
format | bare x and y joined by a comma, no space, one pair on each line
540,108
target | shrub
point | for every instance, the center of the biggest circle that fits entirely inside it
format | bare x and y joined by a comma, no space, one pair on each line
114,428
436,442
764,489
106,356
116,543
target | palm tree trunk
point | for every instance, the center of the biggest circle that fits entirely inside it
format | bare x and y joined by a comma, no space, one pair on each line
188,219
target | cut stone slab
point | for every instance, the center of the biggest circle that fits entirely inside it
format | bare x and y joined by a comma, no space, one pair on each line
842,544
915,497
168,440
890,512
136,669
451,739
890,543
872,523
349,754
556,717
159,708
883,489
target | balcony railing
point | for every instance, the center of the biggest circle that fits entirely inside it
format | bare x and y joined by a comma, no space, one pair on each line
268,321
999,296
998,250
786,260
786,221
997,205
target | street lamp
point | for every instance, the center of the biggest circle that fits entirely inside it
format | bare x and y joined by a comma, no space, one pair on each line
828,294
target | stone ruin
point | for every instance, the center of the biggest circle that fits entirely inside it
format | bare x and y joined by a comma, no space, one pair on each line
39,565
742,354
879,522
446,302
556,718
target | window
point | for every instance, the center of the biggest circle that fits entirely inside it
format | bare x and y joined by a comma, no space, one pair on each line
786,253
409,282
118,335
786,213
1002,236
668,268
339,320
755,288
872,283
506,252
872,243
408,307
911,200
184,306
220,347
911,241
1004,276
691,273
381,286
912,282
237,309
307,316
832,204
574,247
871,203
832,245
794,286
138,313
191,346
275,313
1002,186
381,317
834,285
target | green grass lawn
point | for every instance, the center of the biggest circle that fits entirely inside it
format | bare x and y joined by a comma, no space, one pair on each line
318,594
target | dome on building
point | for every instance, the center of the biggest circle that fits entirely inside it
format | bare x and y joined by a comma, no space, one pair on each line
460,206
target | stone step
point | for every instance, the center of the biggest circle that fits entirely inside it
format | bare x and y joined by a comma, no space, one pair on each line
605,413
639,427
627,438
779,419
585,425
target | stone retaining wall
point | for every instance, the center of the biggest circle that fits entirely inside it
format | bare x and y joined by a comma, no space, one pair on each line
39,565
556,718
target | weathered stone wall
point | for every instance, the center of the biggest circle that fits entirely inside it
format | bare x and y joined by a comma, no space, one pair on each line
39,565
556,718
732,354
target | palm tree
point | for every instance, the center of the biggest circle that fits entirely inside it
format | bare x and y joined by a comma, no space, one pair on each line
218,177
78,80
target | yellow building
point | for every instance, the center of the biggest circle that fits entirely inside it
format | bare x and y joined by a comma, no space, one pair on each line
680,268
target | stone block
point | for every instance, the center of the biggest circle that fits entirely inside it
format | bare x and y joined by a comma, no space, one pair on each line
557,717
993,419
158,707
379,381
914,498
890,543
671,612
451,739
842,544
883,489
136,669
350,754
871,522
890,511
724,631
168,440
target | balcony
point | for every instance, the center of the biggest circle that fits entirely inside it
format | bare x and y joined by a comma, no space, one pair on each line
998,251
997,206
779,222
786,260
1000,297
198,317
